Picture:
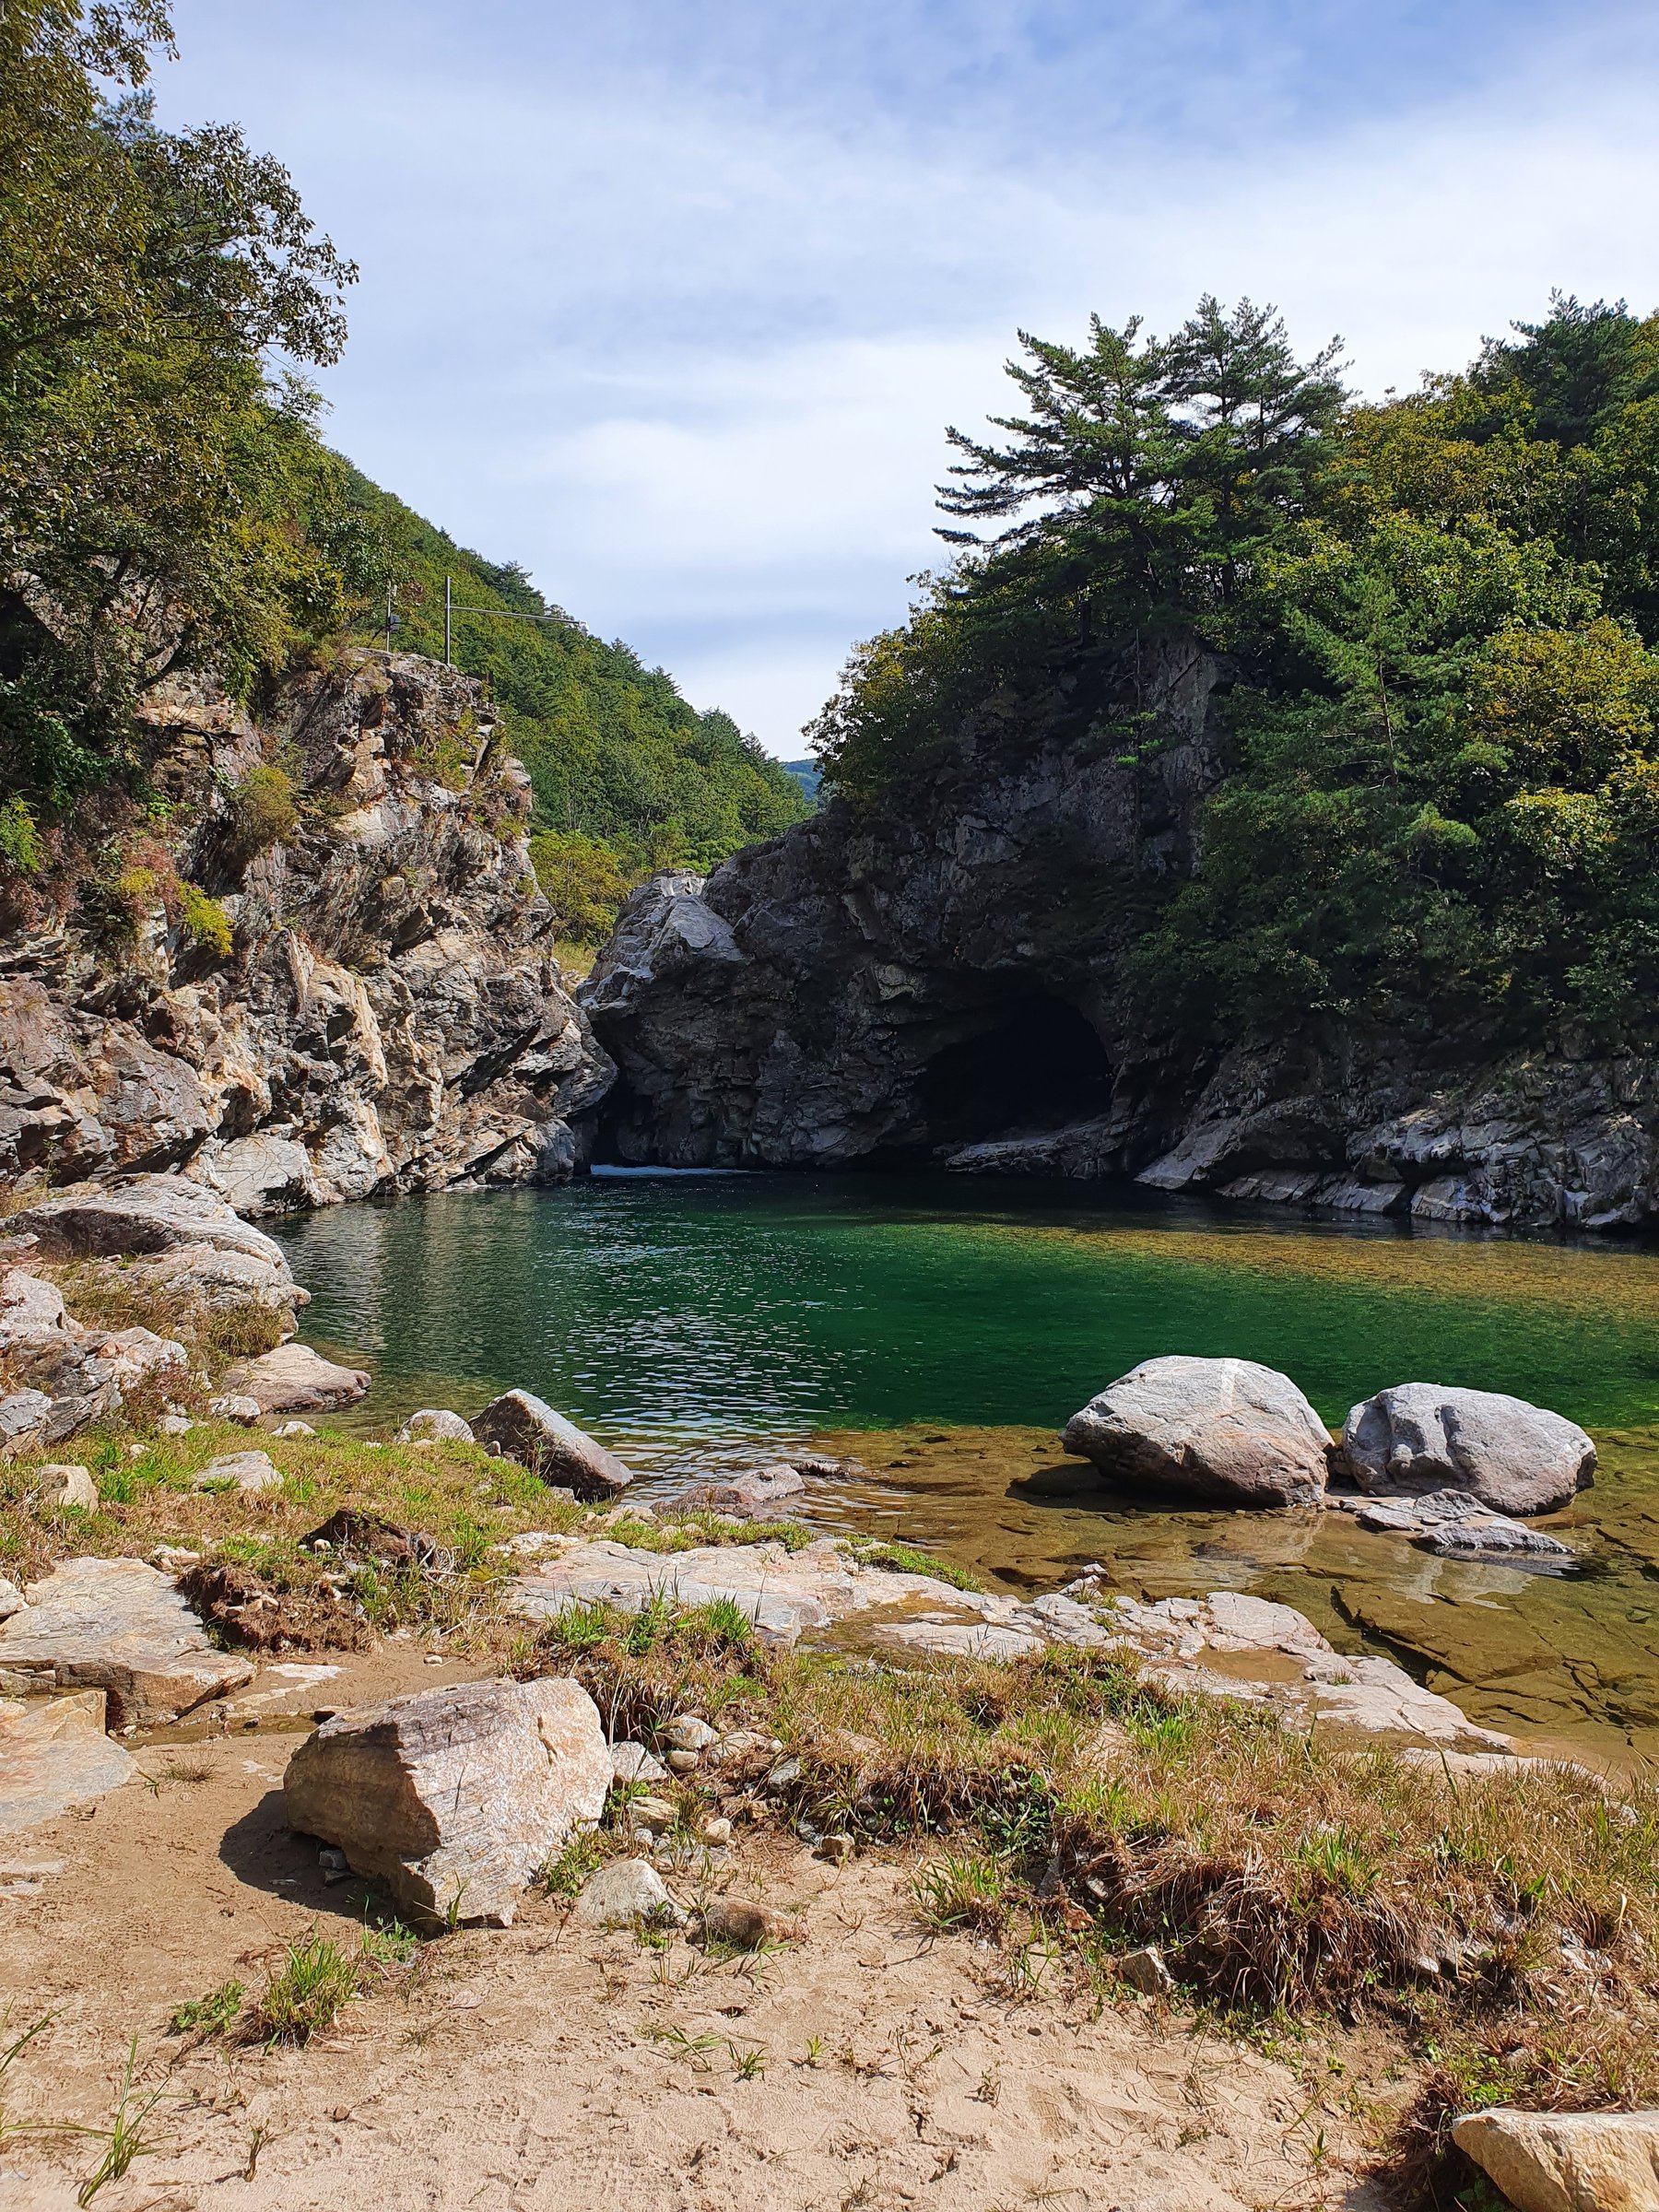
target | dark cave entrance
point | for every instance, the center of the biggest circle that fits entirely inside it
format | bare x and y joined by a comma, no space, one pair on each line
1038,1067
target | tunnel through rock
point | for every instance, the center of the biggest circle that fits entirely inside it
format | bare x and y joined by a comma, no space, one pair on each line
1040,1066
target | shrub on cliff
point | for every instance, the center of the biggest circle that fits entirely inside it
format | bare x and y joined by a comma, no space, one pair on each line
1434,619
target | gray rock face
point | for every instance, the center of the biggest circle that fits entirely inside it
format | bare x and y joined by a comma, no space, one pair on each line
295,1378
392,1017
118,1625
1513,1457
1566,2161
54,1755
455,1797
944,980
1223,1430
526,1429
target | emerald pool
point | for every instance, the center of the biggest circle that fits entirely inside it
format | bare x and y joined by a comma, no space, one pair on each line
940,1331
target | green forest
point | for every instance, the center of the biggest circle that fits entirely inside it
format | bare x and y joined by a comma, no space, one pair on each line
168,505
1435,619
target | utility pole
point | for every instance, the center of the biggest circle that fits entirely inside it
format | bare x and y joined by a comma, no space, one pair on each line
447,608
391,618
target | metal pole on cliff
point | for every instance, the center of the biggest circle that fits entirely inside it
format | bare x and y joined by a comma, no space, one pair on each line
391,618
446,622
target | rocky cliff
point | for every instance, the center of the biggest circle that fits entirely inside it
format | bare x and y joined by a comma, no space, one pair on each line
941,982
319,968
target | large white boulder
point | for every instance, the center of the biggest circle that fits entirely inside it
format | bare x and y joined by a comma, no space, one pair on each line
1566,2161
1513,1457
1225,1430
455,1797
523,1428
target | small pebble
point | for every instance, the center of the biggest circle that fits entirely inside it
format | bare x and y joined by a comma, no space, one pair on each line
684,1762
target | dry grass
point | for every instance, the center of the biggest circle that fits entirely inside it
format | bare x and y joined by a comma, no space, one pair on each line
1506,1926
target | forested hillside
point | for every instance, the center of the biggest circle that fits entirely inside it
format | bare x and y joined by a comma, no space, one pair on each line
168,507
629,778
1433,623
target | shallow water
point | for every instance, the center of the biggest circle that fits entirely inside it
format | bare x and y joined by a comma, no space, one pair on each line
941,1330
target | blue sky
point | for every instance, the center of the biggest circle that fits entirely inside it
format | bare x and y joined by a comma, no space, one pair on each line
671,302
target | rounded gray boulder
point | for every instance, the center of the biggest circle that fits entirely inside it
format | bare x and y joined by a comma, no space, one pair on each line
1224,1431
1420,1436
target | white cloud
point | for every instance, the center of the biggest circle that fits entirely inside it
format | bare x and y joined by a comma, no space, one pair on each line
684,341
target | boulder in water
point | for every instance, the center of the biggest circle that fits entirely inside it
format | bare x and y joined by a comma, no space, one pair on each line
1225,1430
1513,1457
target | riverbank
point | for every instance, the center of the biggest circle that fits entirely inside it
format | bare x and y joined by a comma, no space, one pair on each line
1299,1915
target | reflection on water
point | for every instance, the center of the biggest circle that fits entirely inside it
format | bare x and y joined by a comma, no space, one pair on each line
941,1332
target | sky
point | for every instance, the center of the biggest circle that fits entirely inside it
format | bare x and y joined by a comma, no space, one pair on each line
671,300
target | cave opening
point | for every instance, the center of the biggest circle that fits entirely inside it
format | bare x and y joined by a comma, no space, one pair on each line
1038,1066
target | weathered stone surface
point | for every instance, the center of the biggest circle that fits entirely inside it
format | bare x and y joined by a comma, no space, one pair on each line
23,1415
1515,1457
1566,2161
295,1378
633,1762
1456,1524
140,1214
745,1497
455,1797
53,1756
33,1320
392,1016
240,1471
690,1732
1224,1429
119,1626
63,1484
11,1599
435,1423
523,1428
622,1893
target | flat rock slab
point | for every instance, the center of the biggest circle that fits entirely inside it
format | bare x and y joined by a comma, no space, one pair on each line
119,1626
140,1214
1456,1524
452,1799
1566,2161
294,1378
54,1755
785,1594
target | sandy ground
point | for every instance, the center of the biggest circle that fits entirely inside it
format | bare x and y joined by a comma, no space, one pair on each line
548,2067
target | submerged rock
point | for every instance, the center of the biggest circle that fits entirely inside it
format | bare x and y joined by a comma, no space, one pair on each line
1513,1457
1458,1526
295,1378
745,1496
455,1797
1566,2161
119,1626
523,1428
1222,1429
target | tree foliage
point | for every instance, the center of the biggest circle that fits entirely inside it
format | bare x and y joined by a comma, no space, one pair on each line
168,506
1435,619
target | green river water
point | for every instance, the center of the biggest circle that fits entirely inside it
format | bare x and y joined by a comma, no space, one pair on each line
939,1331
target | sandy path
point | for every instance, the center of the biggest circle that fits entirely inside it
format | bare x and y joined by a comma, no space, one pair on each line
550,2069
